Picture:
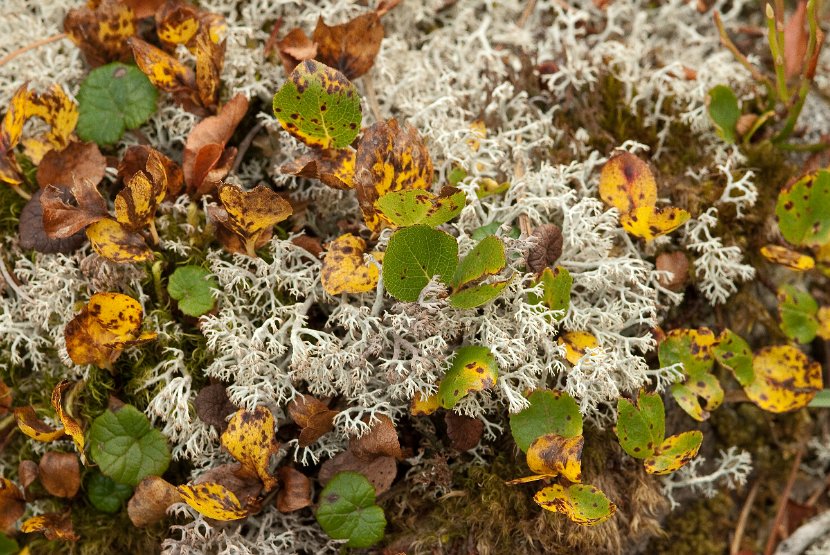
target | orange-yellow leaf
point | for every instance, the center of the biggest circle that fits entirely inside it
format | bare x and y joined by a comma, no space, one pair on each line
423,406
250,214
54,526
34,427
101,29
626,183
788,258
70,426
114,242
576,344
823,317
552,454
344,270
176,24
251,439
136,203
213,500
785,379
163,70
649,223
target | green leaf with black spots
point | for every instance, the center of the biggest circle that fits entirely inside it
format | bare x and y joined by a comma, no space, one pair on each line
473,368
583,504
319,106
347,511
640,429
803,210
797,310
487,258
477,295
694,348
689,394
675,452
126,447
414,255
723,108
550,412
105,494
556,289
734,354
191,286
410,207
112,99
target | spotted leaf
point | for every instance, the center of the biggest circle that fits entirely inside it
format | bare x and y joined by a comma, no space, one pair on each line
477,295
473,368
29,423
803,210
344,270
486,258
734,354
54,526
334,167
552,455
163,70
785,379
410,207
424,405
694,349
823,316
176,24
797,310
675,452
641,428
114,242
414,255
788,258
626,183
550,412
137,202
576,344
583,504
213,500
251,439
101,31
252,214
649,223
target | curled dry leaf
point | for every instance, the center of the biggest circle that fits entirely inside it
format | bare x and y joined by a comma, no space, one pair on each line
295,492
381,439
546,250
33,235
795,40
250,215
27,473
60,473
213,406
295,47
137,158
350,47
313,417
29,423
55,526
464,432
101,31
12,504
251,439
334,167
237,479
62,220
77,162
149,503
344,270
114,242
71,427
380,471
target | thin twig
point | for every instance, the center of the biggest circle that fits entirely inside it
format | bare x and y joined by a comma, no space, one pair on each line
782,502
31,46
246,144
727,42
531,5
735,547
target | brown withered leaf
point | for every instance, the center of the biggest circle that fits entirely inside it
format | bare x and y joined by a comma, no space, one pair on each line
295,490
55,526
34,236
150,501
210,58
60,473
12,505
250,214
101,32
27,473
385,6
350,47
313,417
334,167
547,250
77,162
136,159
62,220
309,243
144,8
295,47
380,471
464,432
795,40
213,406
233,476
381,439
6,398
676,263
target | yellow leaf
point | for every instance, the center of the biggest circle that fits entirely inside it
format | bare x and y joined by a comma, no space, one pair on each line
626,183
53,525
583,504
176,24
649,223
136,203
344,270
70,426
251,439
213,500
250,214
34,427
785,379
552,454
576,344
16,116
788,258
479,130
100,30
823,316
114,242
423,406
163,70
210,57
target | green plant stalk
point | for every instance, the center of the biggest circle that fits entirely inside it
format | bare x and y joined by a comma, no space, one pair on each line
729,45
762,119
156,270
776,46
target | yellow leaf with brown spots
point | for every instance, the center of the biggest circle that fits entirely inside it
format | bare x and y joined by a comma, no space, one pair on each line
250,214
334,167
55,526
576,344
213,500
423,406
114,242
176,24
210,58
163,70
788,258
344,270
34,427
137,202
71,427
251,439
552,454
694,348
675,452
16,117
648,222
823,317
785,379
473,368
101,31
626,183
583,504
390,157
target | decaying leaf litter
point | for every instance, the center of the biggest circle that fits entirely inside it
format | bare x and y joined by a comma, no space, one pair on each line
278,274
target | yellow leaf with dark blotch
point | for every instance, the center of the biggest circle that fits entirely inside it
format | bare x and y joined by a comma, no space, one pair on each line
116,243
675,452
626,183
390,157
16,116
649,223
788,258
334,167
576,344
71,427
213,500
251,439
137,202
350,47
210,58
62,220
423,406
785,379
163,70
249,214
55,526
823,317
12,504
705,387
101,31
344,270
176,24
583,504
552,454
34,427
161,168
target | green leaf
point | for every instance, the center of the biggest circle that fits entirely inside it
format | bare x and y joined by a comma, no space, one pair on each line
347,511
473,368
8,546
585,505
414,206
492,228
556,289
724,111
734,354
803,210
485,259
477,295
640,429
413,256
691,347
798,314
821,400
550,412
113,98
456,176
126,447
105,494
319,106
191,286
674,453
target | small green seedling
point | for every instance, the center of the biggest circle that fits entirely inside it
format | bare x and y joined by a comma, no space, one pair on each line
347,511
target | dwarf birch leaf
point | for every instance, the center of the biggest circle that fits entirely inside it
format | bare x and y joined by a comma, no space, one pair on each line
552,454
191,286
550,412
788,258
126,447
12,504
101,32
213,500
689,394
163,70
576,344
350,47
55,526
414,255
798,314
319,106
446,206
583,504
334,167
626,183
487,258
648,222
113,98
803,210
640,429
674,453
105,494
29,423
410,207
477,295
347,511
473,368
251,439
344,270
785,379
691,347
114,242
137,202
556,289
250,214
733,353
722,105
71,426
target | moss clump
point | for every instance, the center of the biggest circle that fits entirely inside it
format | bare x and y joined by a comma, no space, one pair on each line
702,528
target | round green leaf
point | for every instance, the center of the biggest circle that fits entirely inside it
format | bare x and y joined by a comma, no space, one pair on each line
803,210
583,504
798,314
191,286
734,354
105,494
550,412
640,429
485,259
413,256
415,206
126,447
724,111
319,106
347,511
113,98
691,347
473,368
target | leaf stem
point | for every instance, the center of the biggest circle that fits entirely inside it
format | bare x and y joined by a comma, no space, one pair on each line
775,34
31,46
729,45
